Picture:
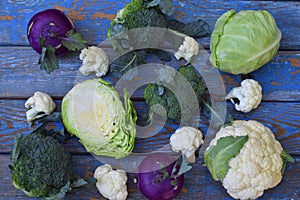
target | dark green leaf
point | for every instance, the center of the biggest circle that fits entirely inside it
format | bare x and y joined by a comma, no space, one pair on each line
167,7
161,54
48,61
74,41
218,156
285,158
16,149
127,61
61,193
198,28
59,133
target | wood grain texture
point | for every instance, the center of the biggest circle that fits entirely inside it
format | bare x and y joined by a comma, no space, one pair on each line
20,75
198,183
282,118
92,17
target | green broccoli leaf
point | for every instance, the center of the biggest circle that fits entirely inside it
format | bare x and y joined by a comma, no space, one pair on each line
218,156
58,131
165,6
198,28
74,41
62,192
286,158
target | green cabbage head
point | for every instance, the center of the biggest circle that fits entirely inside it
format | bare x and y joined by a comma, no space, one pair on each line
243,42
93,111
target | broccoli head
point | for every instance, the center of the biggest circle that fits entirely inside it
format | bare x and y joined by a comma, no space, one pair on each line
41,166
157,94
145,18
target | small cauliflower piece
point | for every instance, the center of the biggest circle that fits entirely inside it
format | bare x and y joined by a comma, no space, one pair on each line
256,167
94,59
111,183
249,95
39,105
188,49
187,140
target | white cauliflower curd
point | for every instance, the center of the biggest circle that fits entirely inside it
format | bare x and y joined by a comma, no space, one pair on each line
111,183
187,140
247,158
188,49
249,95
39,105
94,59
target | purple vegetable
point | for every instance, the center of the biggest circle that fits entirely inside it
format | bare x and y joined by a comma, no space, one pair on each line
51,33
158,177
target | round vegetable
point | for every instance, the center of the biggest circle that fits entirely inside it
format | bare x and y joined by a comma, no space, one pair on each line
157,177
243,42
49,24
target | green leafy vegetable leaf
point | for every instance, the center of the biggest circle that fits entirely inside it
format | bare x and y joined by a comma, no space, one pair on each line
198,28
127,61
218,156
165,6
16,149
58,132
74,41
61,194
184,166
78,182
48,61
286,158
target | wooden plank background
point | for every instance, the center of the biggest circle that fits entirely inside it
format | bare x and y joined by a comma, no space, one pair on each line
20,77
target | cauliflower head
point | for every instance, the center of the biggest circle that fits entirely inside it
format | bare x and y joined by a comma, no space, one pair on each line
249,95
247,158
111,183
187,140
39,105
188,49
94,59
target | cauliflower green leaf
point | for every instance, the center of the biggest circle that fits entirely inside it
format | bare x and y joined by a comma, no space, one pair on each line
218,156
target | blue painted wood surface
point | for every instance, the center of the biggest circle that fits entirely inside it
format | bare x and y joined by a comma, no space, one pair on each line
20,77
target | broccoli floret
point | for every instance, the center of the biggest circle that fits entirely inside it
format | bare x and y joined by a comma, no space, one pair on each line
145,18
157,94
41,166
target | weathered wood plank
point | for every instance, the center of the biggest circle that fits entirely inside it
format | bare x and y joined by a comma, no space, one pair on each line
197,183
282,118
20,75
92,18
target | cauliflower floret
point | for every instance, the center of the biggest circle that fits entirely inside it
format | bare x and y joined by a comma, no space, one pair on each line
111,183
187,140
249,95
94,59
258,165
188,49
40,104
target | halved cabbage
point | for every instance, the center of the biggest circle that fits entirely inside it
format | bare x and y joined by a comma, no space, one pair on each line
92,111
243,42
